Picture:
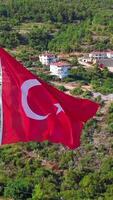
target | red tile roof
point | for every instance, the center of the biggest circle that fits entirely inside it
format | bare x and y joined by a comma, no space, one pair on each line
60,64
108,51
105,62
47,54
99,52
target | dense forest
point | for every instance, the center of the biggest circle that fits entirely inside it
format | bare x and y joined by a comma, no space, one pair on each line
45,171
69,25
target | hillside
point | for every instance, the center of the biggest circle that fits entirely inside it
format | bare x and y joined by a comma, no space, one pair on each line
69,28
47,171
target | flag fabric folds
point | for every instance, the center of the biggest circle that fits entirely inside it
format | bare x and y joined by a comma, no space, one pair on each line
33,110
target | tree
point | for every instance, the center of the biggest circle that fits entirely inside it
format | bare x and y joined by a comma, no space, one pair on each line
9,39
38,38
74,61
62,88
77,91
19,189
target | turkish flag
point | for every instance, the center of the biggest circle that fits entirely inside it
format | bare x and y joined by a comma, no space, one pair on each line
32,110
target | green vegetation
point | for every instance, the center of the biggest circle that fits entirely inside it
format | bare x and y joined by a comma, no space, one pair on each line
101,80
110,119
62,88
87,94
24,176
58,26
77,91
45,171
39,38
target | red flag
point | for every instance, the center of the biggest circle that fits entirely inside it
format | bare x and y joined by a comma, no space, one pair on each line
32,110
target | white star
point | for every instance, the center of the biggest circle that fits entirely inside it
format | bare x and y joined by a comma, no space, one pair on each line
60,109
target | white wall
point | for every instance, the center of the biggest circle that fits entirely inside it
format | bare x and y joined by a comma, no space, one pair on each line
98,55
45,60
110,55
61,72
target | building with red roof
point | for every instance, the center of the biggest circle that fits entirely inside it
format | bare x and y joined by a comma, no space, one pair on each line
60,69
98,55
101,54
47,58
105,63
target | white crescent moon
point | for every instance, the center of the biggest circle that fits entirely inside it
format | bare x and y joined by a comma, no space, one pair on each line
25,89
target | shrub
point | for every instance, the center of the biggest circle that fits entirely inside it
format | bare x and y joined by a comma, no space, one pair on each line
77,91
62,88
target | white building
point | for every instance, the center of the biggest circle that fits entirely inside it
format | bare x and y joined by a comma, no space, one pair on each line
110,54
98,55
60,69
47,58
86,59
101,55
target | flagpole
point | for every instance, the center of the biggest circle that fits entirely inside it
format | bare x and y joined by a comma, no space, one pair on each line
1,108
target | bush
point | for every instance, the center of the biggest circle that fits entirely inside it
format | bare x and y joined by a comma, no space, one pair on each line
62,88
77,91
20,189
109,120
87,94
